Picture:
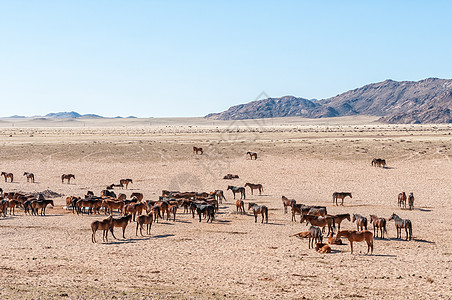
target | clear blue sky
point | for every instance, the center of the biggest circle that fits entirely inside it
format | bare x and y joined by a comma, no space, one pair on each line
189,58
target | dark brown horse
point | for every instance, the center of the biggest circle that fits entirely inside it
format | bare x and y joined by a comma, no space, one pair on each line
67,177
30,177
125,182
401,200
236,189
299,209
378,162
360,221
7,175
339,218
40,204
252,154
341,195
320,221
139,196
144,219
121,222
240,206
358,236
197,150
402,223
255,187
12,205
378,224
411,201
231,176
259,209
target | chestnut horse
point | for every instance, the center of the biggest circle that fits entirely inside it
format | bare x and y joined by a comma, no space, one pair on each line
30,177
101,225
342,195
67,177
402,223
255,187
144,219
358,236
401,199
7,175
259,209
252,154
125,182
360,221
379,224
196,150
11,204
240,206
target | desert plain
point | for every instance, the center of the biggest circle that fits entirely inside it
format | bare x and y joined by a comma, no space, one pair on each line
53,257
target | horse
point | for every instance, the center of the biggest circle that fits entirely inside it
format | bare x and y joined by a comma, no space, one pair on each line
144,219
411,201
120,222
337,195
125,182
134,209
40,204
67,177
11,204
339,218
252,154
30,177
27,207
379,224
236,189
315,236
299,209
360,221
402,223
219,195
231,176
109,205
172,209
139,196
255,187
287,202
378,162
7,175
196,150
108,193
259,209
240,206
358,236
208,209
401,200
321,212
101,225
320,221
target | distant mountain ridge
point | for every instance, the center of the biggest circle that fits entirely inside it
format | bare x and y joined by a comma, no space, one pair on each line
67,115
424,101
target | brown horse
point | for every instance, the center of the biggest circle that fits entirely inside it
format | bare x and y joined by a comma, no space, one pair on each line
287,202
40,204
11,204
321,212
358,236
255,187
378,162
104,225
67,177
219,195
341,195
259,209
172,209
231,176
320,221
197,150
109,205
30,177
360,221
402,223
252,154
144,219
139,196
125,182
7,175
240,206
236,189
379,224
120,222
299,209
339,218
401,200
134,209
411,201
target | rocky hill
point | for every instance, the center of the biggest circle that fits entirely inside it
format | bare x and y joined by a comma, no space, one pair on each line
425,101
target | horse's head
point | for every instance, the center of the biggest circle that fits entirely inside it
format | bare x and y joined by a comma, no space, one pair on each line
354,218
392,217
350,194
51,202
230,187
250,205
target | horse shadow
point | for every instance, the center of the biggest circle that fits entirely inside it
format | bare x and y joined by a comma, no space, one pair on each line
162,236
184,222
388,168
424,241
423,209
165,223
383,255
223,221
276,224
119,242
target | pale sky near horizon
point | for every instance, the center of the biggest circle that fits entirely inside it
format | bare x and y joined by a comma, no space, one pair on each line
190,58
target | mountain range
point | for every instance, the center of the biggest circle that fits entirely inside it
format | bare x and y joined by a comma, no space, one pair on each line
66,115
408,102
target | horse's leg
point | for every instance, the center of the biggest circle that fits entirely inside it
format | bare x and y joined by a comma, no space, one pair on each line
136,230
351,246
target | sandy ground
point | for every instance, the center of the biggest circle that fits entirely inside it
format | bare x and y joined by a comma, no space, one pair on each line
53,256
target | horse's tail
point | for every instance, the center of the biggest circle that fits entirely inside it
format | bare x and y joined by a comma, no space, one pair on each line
12,177
384,226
